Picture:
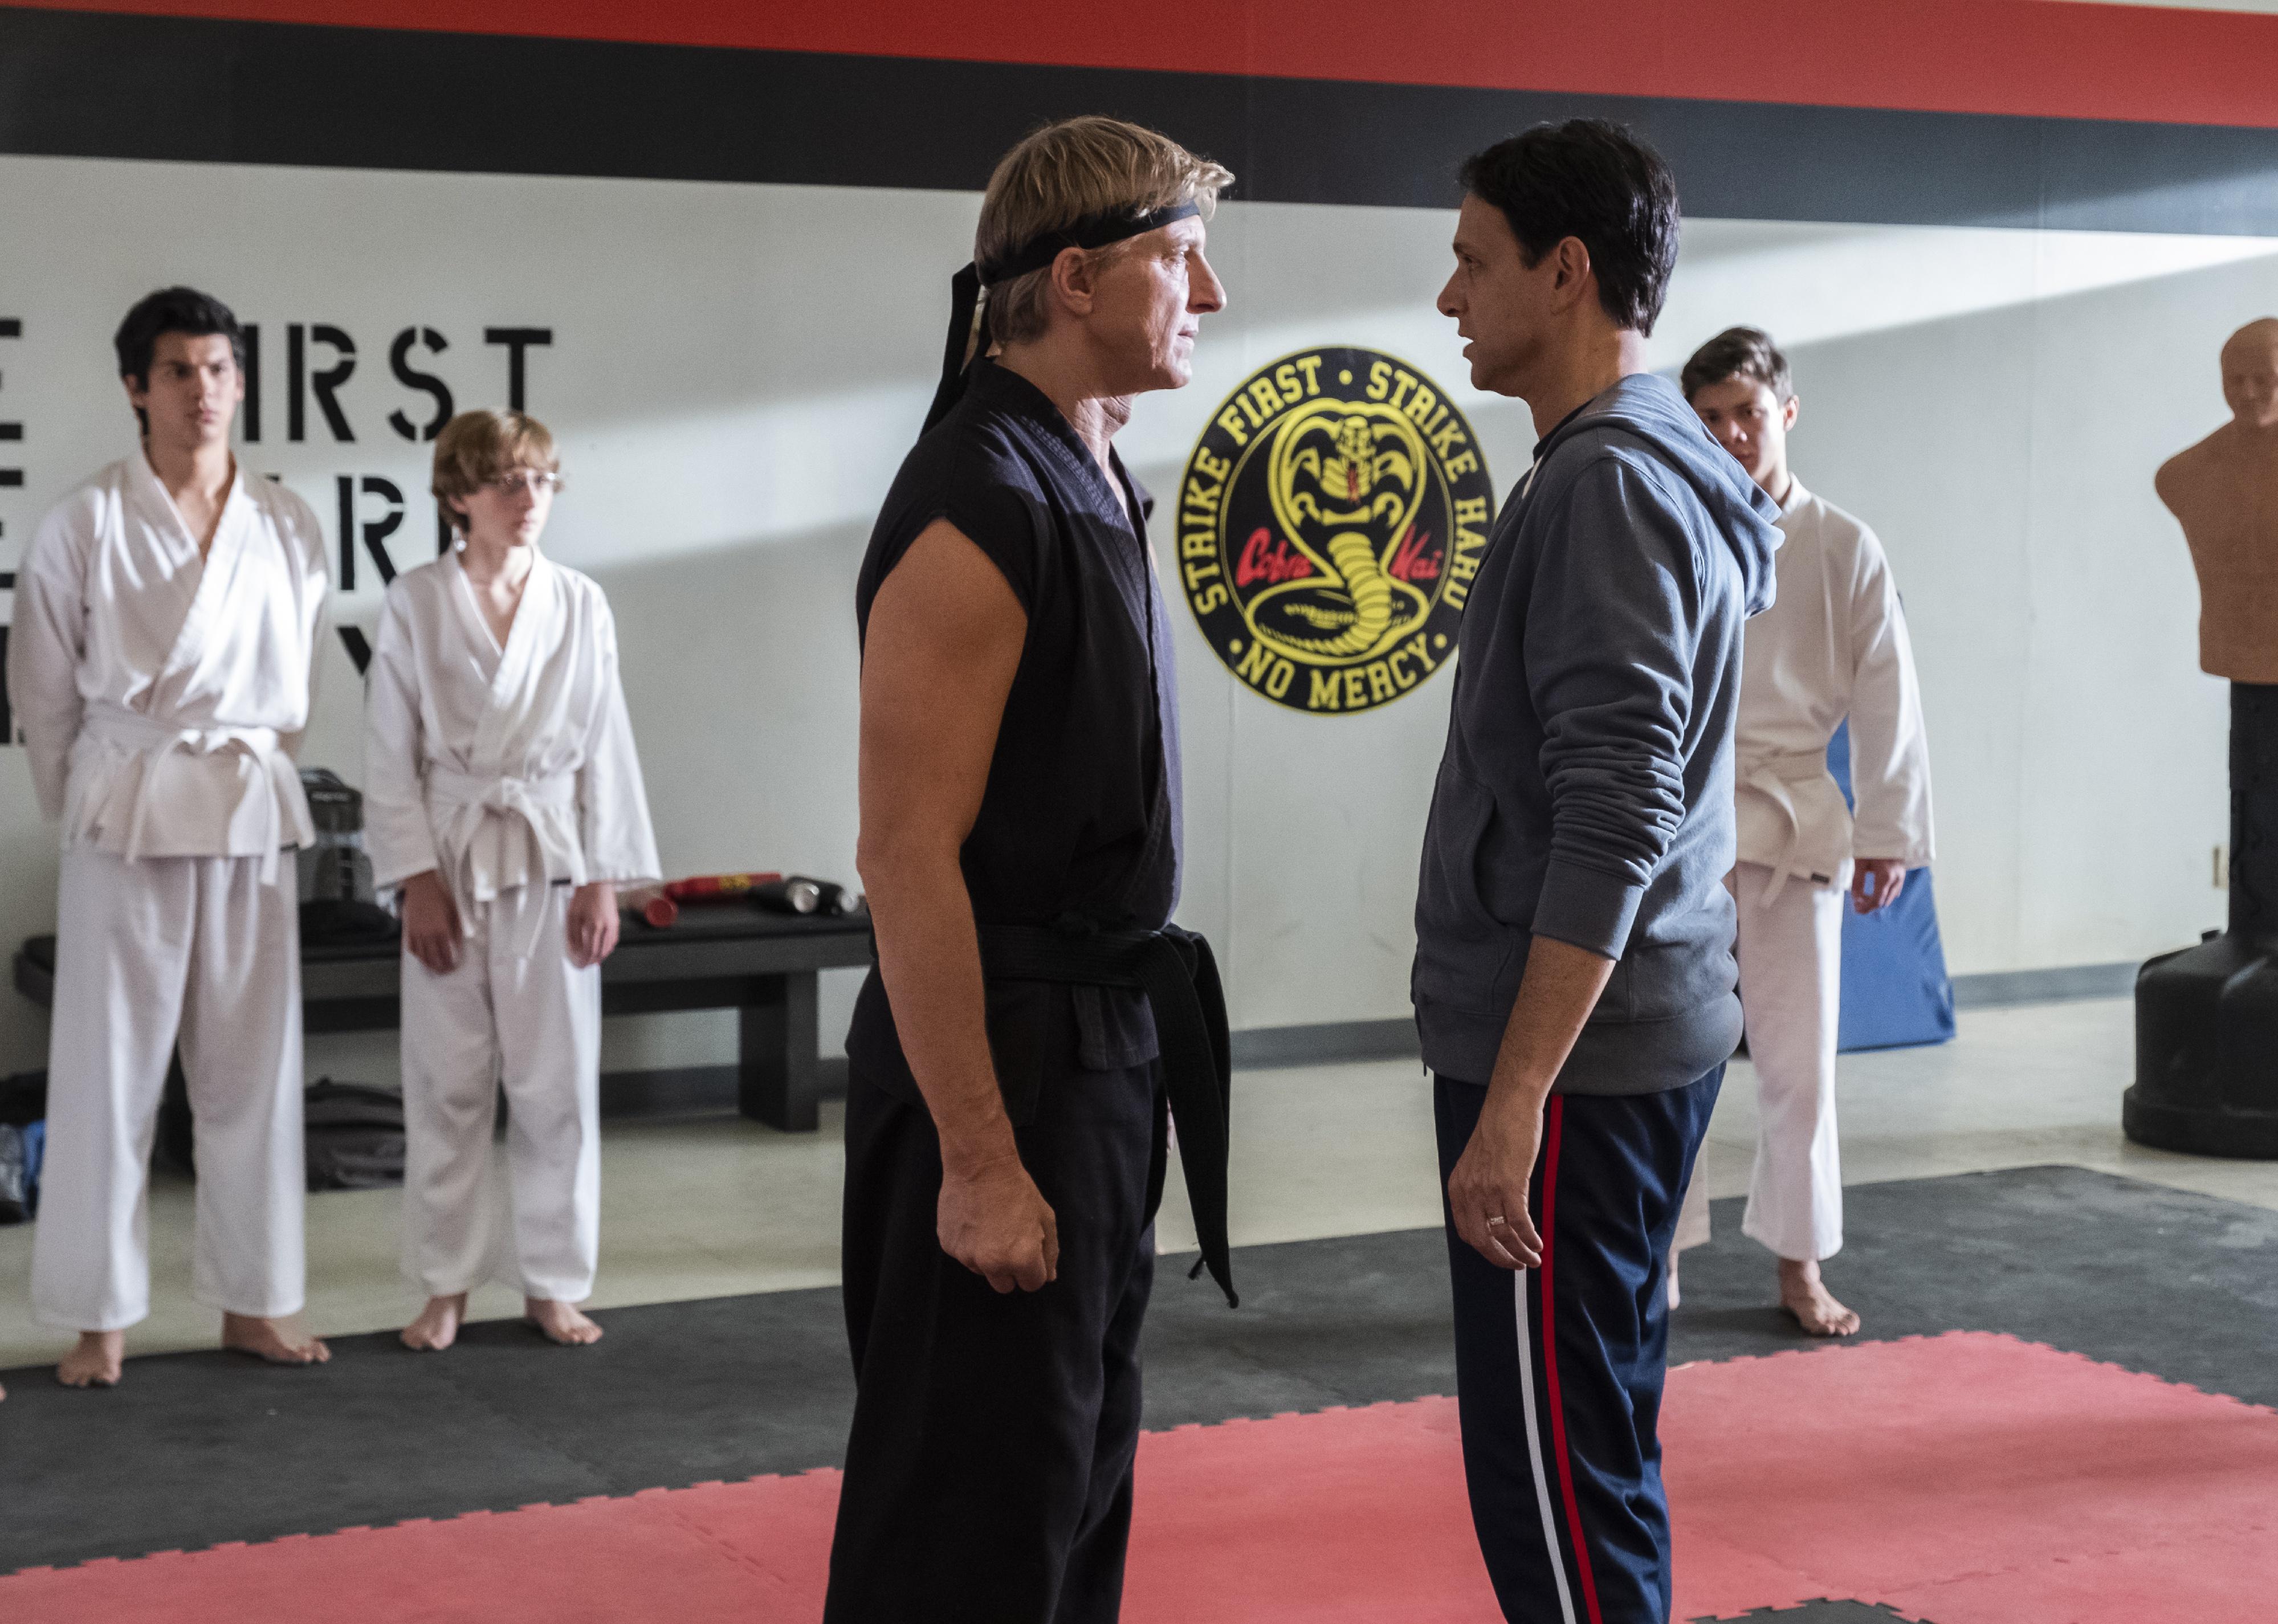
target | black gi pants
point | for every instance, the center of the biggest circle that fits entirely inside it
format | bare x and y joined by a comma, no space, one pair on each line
988,1469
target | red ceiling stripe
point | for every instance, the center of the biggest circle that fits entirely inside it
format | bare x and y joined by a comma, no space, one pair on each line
2035,58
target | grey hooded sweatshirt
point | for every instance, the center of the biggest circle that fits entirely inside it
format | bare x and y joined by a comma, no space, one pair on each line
1586,790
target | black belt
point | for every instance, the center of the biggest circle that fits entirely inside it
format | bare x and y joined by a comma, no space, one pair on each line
1175,970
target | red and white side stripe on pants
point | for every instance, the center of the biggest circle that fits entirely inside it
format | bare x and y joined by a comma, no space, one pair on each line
1553,1119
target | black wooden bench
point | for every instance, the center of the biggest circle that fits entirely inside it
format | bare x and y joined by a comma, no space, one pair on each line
730,956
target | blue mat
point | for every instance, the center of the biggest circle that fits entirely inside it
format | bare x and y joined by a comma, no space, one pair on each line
1895,990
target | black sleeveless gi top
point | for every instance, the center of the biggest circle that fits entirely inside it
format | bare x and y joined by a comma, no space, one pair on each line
1080,814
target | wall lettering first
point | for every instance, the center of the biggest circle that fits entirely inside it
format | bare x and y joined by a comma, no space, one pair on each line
320,359
324,399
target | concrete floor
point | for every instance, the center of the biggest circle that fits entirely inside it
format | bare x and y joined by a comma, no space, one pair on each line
721,1206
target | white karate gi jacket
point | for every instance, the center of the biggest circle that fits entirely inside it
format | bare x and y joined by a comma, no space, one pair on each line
162,698
1833,644
501,767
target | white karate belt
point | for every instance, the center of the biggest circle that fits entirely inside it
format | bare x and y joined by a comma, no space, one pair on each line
1774,777
459,802
154,739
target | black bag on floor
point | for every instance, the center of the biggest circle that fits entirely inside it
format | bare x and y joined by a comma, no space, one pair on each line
23,1099
354,1134
23,1137
20,1150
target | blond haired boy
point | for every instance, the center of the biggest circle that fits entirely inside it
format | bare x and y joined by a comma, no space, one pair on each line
504,802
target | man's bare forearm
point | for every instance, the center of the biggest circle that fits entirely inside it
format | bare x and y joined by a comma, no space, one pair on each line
1561,986
930,954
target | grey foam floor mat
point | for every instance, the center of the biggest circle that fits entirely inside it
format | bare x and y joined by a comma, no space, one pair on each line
1818,1613
198,1448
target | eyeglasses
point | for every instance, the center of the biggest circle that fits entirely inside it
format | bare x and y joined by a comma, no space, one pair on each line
530,480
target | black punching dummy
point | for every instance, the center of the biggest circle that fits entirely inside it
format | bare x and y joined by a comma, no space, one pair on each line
2206,1018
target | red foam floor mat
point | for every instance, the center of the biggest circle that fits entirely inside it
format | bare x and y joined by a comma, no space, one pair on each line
1964,1479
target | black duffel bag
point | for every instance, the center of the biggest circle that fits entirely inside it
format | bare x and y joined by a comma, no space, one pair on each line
23,1106
20,1151
354,1134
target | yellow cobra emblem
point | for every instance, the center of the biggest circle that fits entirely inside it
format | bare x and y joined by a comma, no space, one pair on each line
1330,523
1346,480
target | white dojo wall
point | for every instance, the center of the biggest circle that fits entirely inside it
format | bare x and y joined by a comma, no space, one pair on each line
737,369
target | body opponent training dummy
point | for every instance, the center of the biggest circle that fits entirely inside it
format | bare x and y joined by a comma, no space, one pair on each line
504,796
168,613
1833,644
2206,1018
1007,1105
1574,976
2224,493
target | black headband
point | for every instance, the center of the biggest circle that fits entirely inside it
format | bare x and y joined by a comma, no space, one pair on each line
1094,230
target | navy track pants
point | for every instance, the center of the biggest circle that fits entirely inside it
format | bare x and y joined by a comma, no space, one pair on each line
1559,1369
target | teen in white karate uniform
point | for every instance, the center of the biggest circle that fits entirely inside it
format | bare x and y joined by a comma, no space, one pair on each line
1834,645
168,613
504,798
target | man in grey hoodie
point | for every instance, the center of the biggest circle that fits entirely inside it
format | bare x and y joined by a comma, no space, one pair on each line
1574,980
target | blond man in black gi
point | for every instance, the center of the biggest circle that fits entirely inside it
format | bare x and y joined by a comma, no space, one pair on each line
1033,1019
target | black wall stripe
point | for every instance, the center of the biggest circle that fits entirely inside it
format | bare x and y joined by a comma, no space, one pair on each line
87,85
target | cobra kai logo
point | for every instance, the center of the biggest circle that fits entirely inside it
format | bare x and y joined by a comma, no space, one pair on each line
1330,522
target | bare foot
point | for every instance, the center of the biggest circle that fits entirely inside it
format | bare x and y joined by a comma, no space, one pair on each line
1806,1296
95,1361
274,1340
561,1321
438,1324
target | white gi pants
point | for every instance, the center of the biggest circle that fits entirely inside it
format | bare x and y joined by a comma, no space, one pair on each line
1791,959
148,950
532,1024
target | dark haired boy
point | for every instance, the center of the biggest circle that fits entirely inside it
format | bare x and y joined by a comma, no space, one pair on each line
1834,645
168,612
1574,976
